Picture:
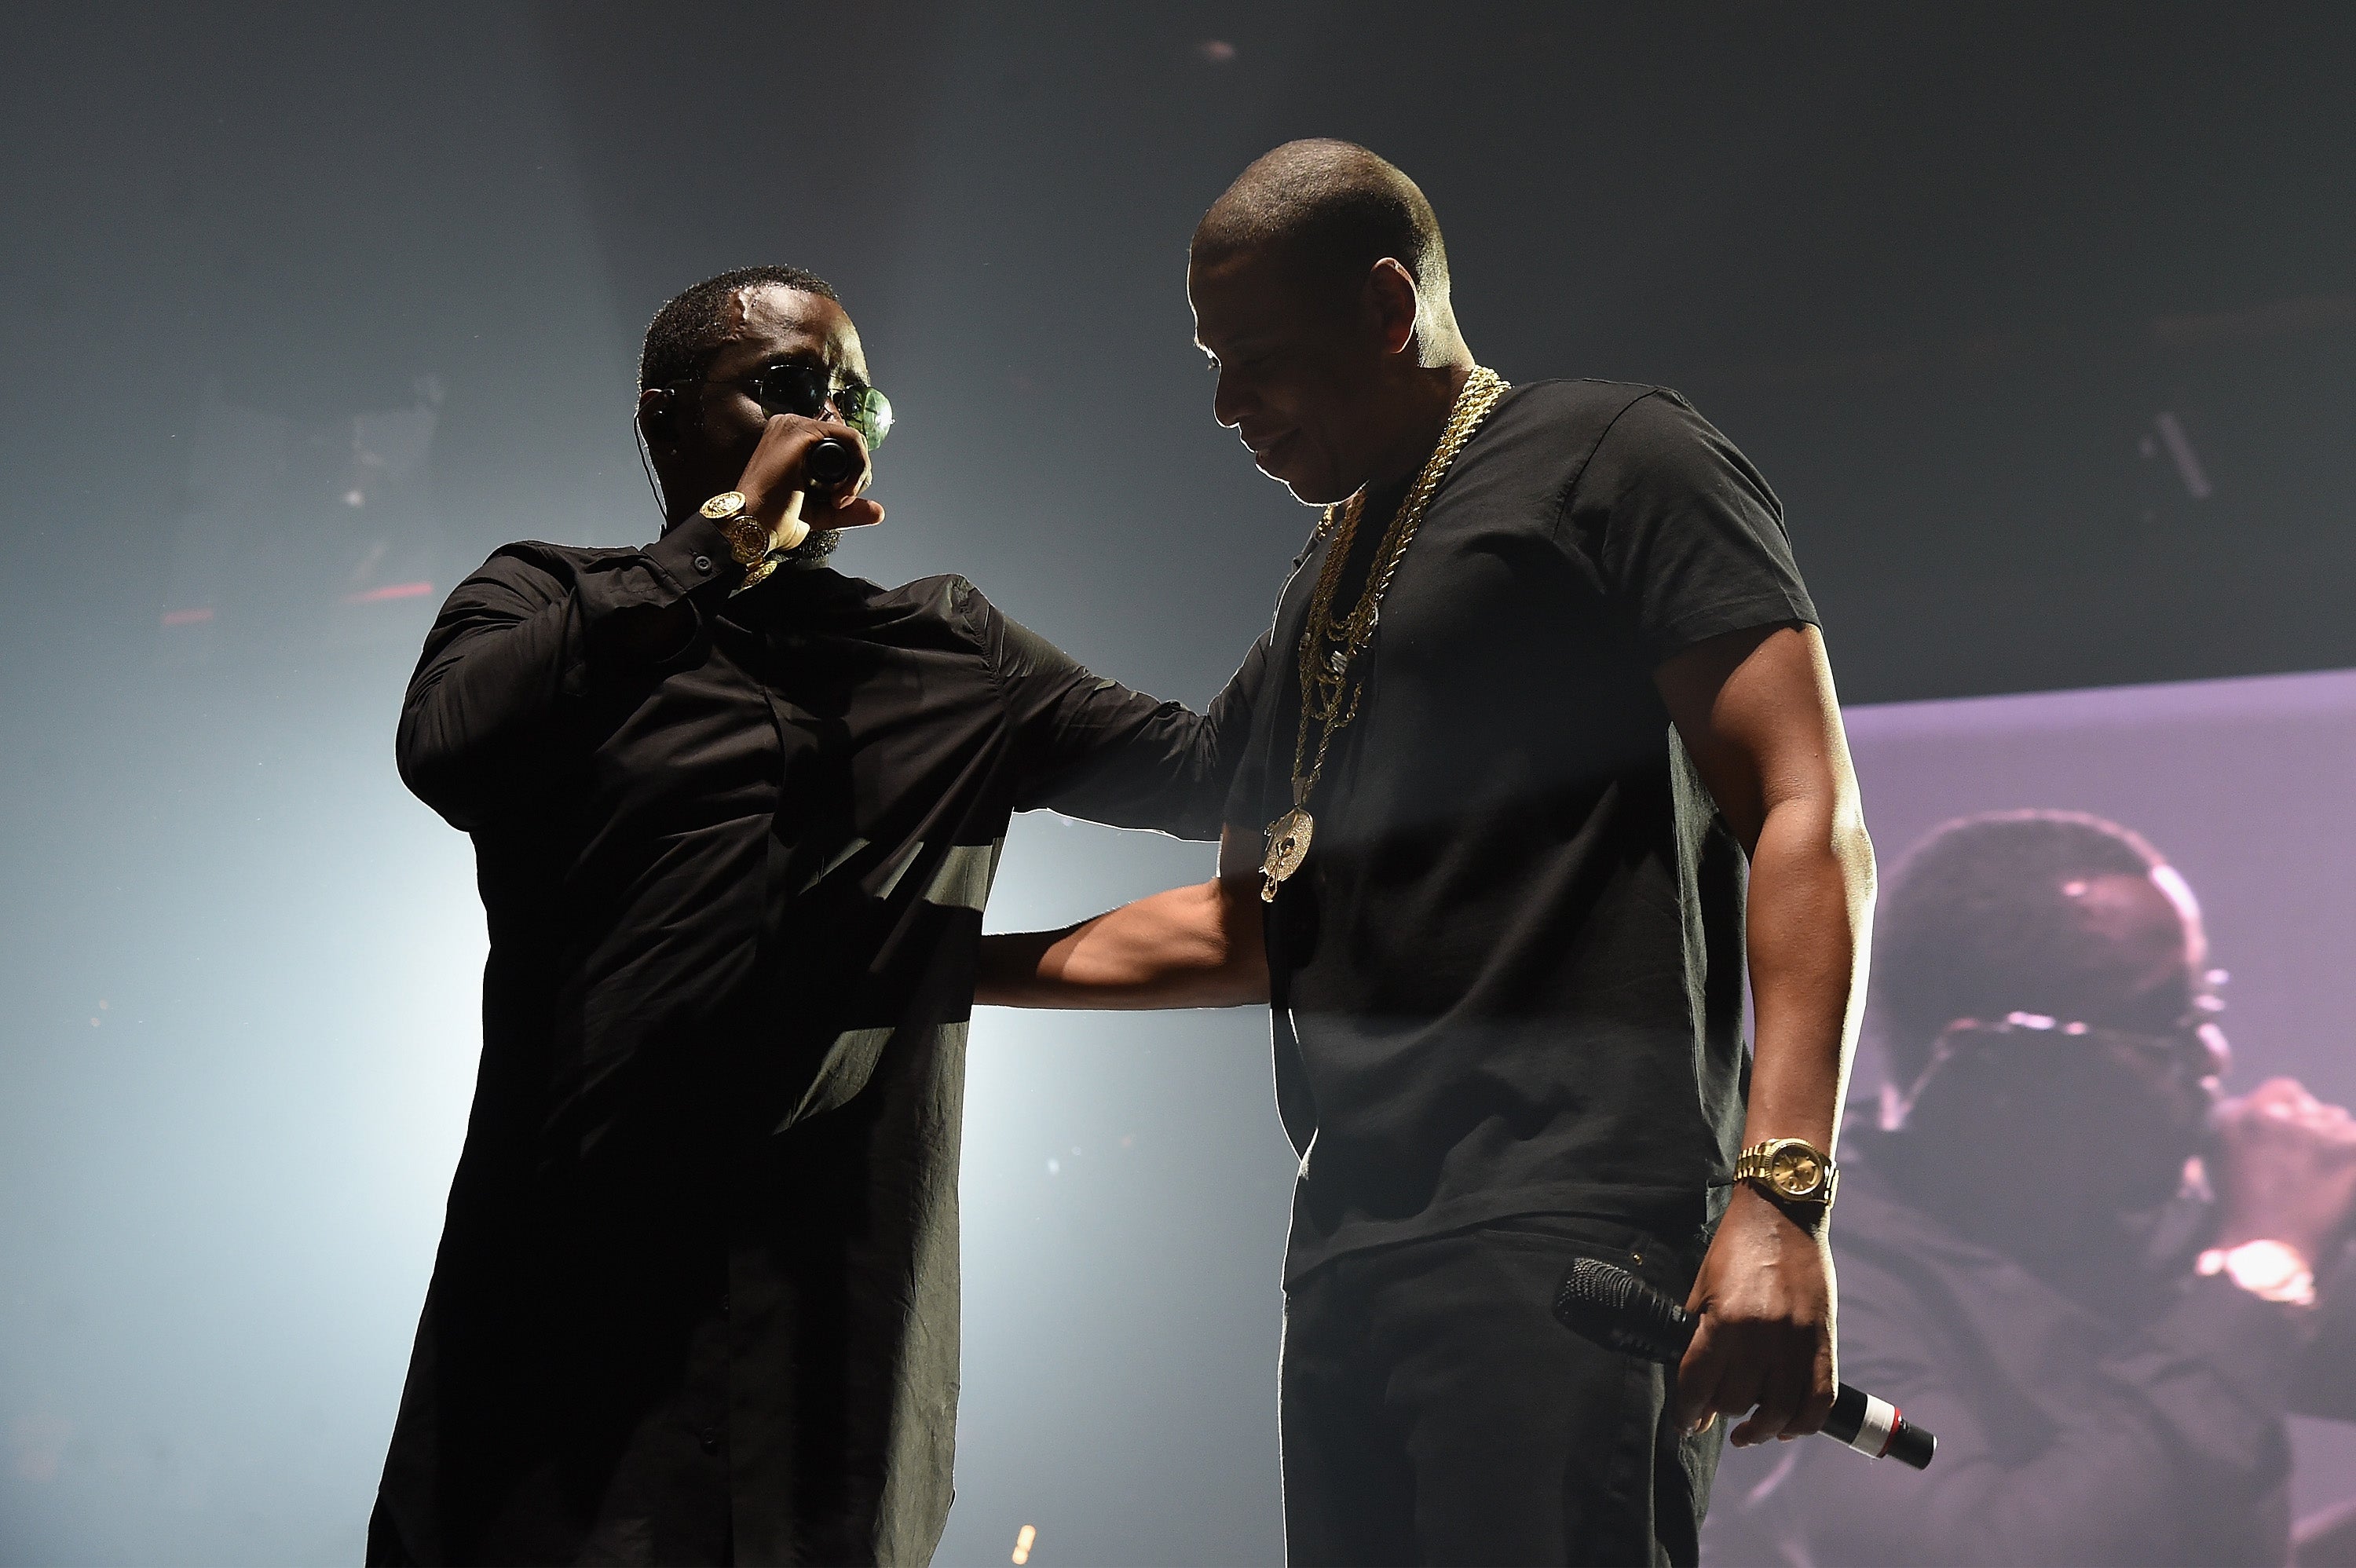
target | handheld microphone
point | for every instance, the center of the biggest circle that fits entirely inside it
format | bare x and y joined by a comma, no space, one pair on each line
1621,1312
829,463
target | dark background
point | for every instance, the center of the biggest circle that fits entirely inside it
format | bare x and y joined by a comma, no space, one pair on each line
2041,318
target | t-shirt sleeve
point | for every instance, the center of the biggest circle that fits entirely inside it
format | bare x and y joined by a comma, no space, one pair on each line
1682,531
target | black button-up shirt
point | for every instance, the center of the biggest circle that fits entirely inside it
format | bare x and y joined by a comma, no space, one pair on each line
696,1296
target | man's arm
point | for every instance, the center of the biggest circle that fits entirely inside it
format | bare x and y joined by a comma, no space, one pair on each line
1189,947
2123,1458
1093,748
517,646
521,642
1757,713
2174,1431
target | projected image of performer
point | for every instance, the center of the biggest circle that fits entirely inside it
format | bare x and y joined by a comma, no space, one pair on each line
2106,1356
1545,685
736,816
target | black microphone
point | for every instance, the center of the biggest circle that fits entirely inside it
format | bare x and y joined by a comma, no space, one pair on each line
1621,1312
829,462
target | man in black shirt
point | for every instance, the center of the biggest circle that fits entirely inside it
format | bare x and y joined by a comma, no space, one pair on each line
2106,1356
736,816
1544,680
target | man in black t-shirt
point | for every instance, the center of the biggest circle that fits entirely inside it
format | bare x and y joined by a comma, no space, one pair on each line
1543,686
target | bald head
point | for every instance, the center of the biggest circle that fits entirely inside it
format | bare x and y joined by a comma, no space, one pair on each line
1321,293
1330,208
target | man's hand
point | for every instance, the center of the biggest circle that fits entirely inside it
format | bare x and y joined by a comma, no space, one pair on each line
775,486
2285,1169
1764,1296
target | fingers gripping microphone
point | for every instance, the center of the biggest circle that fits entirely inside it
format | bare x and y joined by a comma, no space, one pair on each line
1621,1312
829,462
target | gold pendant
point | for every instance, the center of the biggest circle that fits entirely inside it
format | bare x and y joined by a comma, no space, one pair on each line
1287,846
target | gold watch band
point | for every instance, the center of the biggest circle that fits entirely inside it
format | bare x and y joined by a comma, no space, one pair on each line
1792,1170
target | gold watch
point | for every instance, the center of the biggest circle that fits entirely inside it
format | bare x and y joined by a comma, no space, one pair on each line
1791,1170
748,540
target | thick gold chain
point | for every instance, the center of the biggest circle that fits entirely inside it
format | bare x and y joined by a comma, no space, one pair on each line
1329,697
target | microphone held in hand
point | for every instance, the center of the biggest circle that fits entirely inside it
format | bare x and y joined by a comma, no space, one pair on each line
830,463
1621,1312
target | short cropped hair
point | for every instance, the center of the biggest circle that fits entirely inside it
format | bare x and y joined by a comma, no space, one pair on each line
1333,206
685,332
1977,923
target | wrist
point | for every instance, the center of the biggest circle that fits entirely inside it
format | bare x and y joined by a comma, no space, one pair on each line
753,539
1794,1175
734,514
1753,1205
2268,1269
784,522
2240,1231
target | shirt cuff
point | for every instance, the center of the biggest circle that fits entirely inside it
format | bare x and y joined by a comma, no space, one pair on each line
2251,1343
695,554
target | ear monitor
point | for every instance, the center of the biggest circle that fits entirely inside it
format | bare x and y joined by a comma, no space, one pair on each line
653,418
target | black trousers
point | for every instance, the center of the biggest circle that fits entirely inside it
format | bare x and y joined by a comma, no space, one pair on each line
1434,1411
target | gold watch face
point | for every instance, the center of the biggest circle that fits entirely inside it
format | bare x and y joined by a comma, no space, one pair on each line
727,503
748,539
1795,1171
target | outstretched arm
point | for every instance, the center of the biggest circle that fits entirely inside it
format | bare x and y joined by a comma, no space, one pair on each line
1190,947
1757,713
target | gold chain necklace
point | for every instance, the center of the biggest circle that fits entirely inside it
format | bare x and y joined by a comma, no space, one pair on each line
1329,697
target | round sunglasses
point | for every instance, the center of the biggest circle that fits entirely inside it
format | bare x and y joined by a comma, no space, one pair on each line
808,390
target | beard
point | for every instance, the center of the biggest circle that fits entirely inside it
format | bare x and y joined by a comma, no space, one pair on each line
812,551
2068,1124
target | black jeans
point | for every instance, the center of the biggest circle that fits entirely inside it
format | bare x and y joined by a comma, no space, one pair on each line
1434,1411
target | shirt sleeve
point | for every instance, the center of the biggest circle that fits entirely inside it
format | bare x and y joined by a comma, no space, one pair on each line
2325,1385
524,641
1238,712
1093,748
1681,529
2184,1419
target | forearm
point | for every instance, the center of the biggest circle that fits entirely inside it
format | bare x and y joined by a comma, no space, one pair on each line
1809,923
1756,712
1191,947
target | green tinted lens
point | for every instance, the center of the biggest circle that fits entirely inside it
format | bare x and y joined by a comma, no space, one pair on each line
866,411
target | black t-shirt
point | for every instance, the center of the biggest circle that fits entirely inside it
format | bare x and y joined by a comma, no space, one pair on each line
1508,978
